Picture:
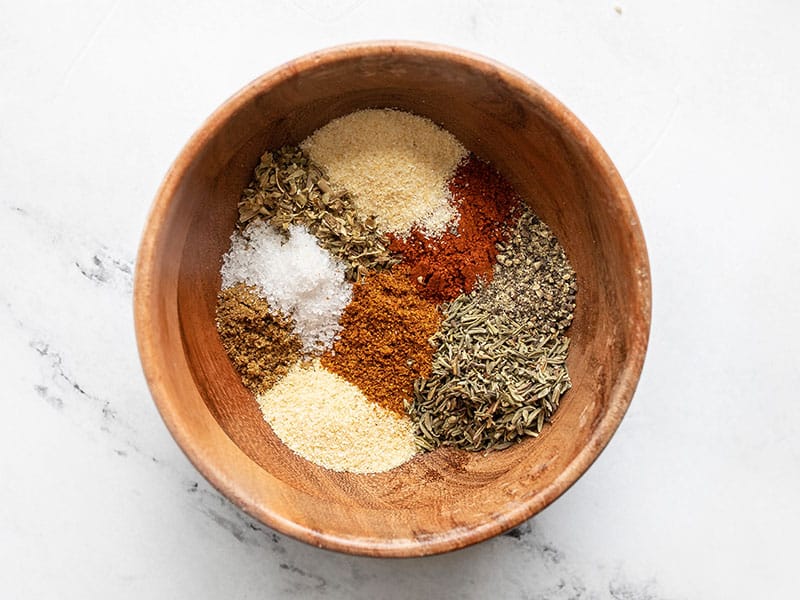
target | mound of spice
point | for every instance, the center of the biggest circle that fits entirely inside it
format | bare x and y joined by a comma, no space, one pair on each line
533,280
383,346
395,165
289,189
444,267
259,342
494,381
328,421
296,277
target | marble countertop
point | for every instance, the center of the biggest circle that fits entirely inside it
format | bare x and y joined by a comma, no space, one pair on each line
696,496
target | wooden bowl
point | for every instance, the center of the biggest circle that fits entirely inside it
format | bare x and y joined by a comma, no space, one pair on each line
446,499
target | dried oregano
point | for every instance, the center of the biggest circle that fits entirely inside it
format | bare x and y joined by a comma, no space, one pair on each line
289,189
494,381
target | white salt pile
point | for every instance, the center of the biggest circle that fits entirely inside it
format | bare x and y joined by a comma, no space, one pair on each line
296,277
394,164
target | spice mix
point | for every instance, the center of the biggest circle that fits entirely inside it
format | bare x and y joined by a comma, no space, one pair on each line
387,293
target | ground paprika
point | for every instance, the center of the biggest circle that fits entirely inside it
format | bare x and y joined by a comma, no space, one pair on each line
444,267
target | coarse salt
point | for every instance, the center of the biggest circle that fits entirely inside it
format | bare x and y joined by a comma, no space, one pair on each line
296,277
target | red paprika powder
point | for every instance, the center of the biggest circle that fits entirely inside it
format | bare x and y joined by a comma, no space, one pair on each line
444,267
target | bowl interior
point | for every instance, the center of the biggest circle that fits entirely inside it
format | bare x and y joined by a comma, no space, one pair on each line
442,500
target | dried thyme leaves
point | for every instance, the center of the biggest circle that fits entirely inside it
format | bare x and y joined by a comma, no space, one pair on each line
493,382
289,189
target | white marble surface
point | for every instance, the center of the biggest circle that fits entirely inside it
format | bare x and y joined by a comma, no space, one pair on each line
696,496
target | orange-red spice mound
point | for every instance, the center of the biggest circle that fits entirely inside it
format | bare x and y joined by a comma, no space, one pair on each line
444,267
383,346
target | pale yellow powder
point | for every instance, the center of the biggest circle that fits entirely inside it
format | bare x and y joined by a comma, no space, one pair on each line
330,422
394,164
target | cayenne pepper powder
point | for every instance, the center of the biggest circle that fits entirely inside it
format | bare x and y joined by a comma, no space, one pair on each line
444,267
383,346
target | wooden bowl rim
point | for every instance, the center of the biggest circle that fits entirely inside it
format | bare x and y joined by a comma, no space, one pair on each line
209,462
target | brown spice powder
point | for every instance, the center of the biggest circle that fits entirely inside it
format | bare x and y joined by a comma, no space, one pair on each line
383,346
259,342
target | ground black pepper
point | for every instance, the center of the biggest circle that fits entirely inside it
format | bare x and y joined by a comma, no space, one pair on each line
533,280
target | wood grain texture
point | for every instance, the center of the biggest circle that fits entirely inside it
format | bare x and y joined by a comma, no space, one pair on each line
446,499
